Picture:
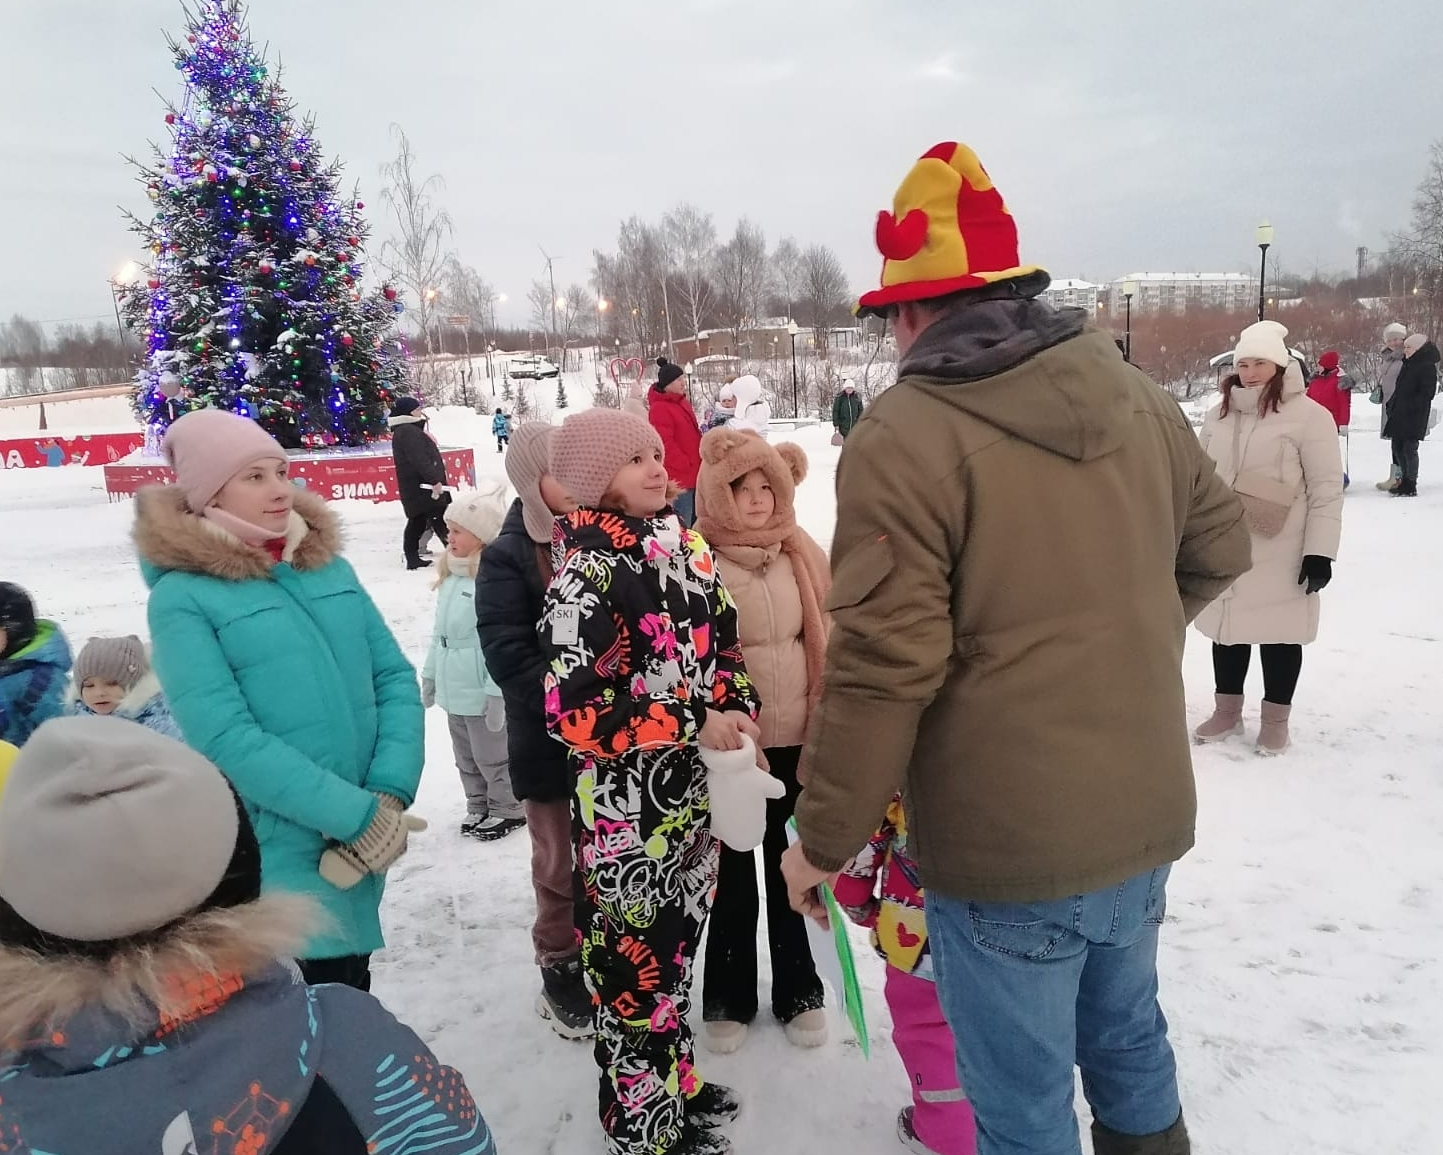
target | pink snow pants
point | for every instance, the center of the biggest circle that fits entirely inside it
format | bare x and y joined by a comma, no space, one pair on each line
941,1115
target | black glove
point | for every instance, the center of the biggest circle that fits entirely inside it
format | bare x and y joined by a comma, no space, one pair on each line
1316,573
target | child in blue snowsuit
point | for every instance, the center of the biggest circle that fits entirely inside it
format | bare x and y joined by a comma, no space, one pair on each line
501,429
112,678
34,662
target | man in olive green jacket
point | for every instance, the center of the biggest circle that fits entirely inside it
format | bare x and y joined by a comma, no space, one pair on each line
1025,526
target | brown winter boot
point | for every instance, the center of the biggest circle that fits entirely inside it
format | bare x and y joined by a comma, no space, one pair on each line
1273,737
1226,721
1173,1141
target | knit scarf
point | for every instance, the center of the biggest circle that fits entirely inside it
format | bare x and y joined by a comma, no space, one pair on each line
465,566
280,547
813,576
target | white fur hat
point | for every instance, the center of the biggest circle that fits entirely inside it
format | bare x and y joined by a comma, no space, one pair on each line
1265,340
1415,342
1395,330
481,511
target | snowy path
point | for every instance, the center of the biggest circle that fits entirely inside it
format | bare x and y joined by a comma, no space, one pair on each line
1301,966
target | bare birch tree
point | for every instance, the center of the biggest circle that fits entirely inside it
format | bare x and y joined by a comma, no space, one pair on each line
416,255
741,273
691,241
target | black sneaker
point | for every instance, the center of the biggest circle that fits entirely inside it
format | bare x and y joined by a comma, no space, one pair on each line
565,1001
698,1140
418,563
472,825
713,1105
494,828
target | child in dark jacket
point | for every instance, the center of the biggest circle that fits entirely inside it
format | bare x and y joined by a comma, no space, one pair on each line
882,890
510,589
145,1009
644,668
34,662
113,679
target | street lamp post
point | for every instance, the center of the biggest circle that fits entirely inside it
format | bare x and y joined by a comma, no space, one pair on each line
793,331
126,276
1129,290
1265,239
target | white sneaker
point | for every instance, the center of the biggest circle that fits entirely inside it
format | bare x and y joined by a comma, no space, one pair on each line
808,1029
724,1036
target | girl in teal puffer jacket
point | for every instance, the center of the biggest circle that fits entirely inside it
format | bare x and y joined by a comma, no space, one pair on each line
455,676
281,671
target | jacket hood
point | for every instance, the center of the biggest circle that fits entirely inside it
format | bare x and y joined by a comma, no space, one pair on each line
48,647
169,537
83,1005
747,389
405,419
1035,372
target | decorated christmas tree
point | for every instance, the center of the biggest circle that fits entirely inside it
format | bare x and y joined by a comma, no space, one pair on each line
251,300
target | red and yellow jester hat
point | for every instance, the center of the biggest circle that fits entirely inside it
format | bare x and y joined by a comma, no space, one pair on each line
948,230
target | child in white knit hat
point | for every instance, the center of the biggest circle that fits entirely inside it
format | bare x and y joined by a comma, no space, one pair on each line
455,676
113,678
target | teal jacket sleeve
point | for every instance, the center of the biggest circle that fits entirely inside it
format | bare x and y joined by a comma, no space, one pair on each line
206,701
400,719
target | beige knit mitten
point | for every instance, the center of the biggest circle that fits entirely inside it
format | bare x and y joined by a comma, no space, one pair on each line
380,844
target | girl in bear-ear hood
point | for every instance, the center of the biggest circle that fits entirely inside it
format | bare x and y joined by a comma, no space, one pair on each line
779,578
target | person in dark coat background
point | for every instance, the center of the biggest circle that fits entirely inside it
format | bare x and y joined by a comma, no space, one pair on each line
847,408
510,587
1406,421
671,415
420,476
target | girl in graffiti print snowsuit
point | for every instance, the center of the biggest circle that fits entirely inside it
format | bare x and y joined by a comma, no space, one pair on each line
643,668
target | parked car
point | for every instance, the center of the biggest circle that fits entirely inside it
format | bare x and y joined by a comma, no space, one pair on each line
532,368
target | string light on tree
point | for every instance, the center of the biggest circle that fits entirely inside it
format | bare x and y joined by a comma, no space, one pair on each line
249,302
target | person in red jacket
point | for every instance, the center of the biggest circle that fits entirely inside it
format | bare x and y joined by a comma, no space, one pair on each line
1334,392
671,415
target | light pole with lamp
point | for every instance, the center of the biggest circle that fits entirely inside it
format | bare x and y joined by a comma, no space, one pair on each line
1265,240
792,330
127,276
1129,290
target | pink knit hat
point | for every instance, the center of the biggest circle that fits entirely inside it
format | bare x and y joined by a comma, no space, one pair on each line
528,456
207,447
590,448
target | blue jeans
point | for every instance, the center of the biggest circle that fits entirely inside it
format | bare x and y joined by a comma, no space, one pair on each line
1030,989
685,506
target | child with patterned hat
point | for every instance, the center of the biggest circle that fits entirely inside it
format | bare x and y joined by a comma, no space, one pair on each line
112,678
644,669
145,1008
455,676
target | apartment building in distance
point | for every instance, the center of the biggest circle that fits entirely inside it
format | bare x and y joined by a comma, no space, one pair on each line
1178,292
1072,293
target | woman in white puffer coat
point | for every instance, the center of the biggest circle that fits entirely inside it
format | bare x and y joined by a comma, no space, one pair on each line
1279,451
753,411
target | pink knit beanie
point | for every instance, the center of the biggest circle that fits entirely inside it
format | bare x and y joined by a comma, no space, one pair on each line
590,448
528,456
207,447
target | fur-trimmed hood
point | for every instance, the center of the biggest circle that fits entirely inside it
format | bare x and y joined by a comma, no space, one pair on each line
135,700
728,454
72,1000
170,537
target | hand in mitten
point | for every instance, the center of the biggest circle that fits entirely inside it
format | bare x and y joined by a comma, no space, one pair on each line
428,693
1316,573
495,714
380,844
739,793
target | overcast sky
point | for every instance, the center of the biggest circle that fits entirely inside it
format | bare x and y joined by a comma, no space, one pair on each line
1124,135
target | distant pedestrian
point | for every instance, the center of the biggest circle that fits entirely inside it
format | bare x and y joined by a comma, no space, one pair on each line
420,477
846,409
501,429
1391,364
1406,420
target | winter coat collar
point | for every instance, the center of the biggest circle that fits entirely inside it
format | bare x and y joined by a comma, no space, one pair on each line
1427,354
81,1006
750,557
47,648
169,537
604,531
405,419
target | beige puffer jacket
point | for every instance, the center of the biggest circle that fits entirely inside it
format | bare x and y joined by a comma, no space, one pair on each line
1297,446
769,625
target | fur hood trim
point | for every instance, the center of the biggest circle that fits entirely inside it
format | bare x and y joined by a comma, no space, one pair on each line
170,537
38,991
405,419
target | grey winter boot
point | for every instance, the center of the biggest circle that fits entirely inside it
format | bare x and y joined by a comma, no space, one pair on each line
1173,1141
1226,721
1273,737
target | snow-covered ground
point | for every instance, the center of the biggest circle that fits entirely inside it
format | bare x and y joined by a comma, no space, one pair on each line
1301,961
